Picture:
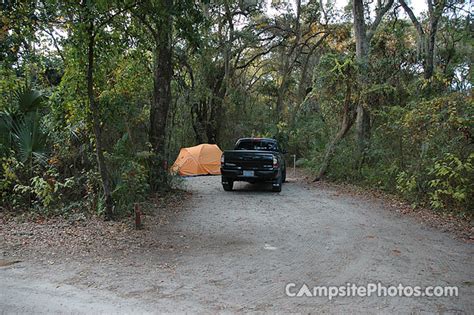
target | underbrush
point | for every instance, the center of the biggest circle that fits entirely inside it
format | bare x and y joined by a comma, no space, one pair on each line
48,164
43,192
423,152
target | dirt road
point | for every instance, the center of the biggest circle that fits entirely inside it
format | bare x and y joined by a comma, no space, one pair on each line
236,251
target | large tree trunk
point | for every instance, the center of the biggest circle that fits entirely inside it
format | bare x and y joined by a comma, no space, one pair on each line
109,203
207,113
362,54
289,60
427,39
429,57
361,114
430,47
199,120
163,72
212,130
219,89
281,93
347,121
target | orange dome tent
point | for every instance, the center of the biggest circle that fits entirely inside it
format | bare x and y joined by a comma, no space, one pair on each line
202,159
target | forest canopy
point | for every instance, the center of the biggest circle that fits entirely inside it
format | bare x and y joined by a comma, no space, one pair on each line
97,97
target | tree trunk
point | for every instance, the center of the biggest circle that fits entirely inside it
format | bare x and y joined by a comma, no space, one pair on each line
430,47
280,106
109,203
361,114
219,90
199,120
427,39
288,64
362,55
435,10
346,124
163,72
304,82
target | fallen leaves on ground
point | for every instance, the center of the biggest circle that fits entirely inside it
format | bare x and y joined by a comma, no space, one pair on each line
81,236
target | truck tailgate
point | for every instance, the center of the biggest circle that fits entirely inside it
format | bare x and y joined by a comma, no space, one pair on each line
248,159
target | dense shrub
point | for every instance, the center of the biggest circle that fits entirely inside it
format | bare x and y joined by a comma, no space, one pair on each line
422,151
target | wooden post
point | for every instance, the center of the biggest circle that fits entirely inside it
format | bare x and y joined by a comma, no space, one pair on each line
138,217
294,165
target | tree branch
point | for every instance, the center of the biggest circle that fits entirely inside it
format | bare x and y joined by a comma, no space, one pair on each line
55,43
260,54
378,18
413,18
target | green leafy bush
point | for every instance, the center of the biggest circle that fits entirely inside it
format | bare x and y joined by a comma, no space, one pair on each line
452,185
129,174
8,180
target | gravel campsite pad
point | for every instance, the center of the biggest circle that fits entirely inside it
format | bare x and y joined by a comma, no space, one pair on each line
212,251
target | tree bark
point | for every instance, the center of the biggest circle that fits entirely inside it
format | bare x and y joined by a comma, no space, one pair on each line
289,59
280,106
361,113
427,39
163,72
362,55
109,203
347,121
199,120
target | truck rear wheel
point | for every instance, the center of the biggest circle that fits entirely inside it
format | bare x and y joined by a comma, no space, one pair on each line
227,184
276,185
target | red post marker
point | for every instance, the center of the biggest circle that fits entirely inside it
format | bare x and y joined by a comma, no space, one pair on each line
138,217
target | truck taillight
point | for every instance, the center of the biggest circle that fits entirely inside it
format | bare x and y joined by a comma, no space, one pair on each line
222,160
275,162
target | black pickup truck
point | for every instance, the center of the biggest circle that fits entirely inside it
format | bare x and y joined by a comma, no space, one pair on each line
254,160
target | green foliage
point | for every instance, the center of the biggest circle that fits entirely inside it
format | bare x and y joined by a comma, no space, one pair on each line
228,75
10,168
453,183
421,151
130,175
45,192
421,137
18,189
30,141
20,126
407,184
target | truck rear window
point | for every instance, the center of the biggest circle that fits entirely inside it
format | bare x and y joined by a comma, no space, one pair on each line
256,145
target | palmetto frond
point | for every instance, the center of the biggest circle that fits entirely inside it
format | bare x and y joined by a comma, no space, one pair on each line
27,99
29,140
20,128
